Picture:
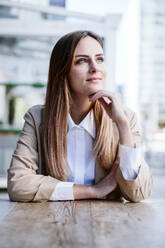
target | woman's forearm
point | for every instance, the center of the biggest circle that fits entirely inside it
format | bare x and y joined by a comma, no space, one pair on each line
99,190
83,192
125,134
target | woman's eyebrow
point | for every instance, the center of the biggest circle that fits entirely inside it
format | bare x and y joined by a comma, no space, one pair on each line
86,56
99,54
81,55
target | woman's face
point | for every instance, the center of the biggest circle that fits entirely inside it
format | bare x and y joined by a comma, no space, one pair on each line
87,73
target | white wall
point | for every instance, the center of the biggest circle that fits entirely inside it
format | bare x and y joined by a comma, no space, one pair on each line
127,67
98,7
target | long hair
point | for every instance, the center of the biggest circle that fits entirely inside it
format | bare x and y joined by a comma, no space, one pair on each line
57,107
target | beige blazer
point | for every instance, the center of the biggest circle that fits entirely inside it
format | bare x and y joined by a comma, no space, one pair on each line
28,182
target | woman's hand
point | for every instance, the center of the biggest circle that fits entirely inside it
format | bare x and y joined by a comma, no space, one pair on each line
99,190
114,108
107,184
115,111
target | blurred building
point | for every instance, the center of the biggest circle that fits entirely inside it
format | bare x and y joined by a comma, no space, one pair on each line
141,60
152,58
24,59
31,52
29,30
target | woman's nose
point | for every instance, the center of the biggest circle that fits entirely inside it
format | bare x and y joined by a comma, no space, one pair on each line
93,67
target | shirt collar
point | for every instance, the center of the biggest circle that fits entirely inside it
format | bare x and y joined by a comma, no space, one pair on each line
88,123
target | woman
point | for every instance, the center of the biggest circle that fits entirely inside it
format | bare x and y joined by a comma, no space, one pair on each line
70,147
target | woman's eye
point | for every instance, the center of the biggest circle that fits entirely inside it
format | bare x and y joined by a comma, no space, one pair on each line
80,61
100,59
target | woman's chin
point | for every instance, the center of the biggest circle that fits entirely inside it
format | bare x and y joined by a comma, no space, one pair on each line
93,91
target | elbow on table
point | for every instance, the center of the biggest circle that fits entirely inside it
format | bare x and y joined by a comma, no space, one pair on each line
17,187
17,195
137,198
139,194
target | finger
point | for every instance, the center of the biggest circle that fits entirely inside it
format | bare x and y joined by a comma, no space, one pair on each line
97,95
113,171
117,161
100,94
103,102
105,106
115,165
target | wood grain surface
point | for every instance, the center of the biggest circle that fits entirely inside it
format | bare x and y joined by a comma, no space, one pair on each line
85,224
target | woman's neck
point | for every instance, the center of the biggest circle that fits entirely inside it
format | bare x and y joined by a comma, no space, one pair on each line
79,109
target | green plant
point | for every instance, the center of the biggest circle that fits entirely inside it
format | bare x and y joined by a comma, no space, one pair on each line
162,123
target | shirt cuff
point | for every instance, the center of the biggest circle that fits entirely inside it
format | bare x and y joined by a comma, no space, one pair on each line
130,161
63,191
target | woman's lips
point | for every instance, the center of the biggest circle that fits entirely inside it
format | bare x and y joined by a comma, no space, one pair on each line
93,79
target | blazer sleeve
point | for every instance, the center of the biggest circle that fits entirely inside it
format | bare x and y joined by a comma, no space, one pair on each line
24,184
139,188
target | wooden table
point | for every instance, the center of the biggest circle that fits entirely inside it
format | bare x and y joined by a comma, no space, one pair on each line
86,223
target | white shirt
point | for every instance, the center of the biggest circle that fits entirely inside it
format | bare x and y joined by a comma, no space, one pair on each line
82,166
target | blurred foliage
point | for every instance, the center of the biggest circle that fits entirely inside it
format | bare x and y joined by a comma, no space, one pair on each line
162,123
